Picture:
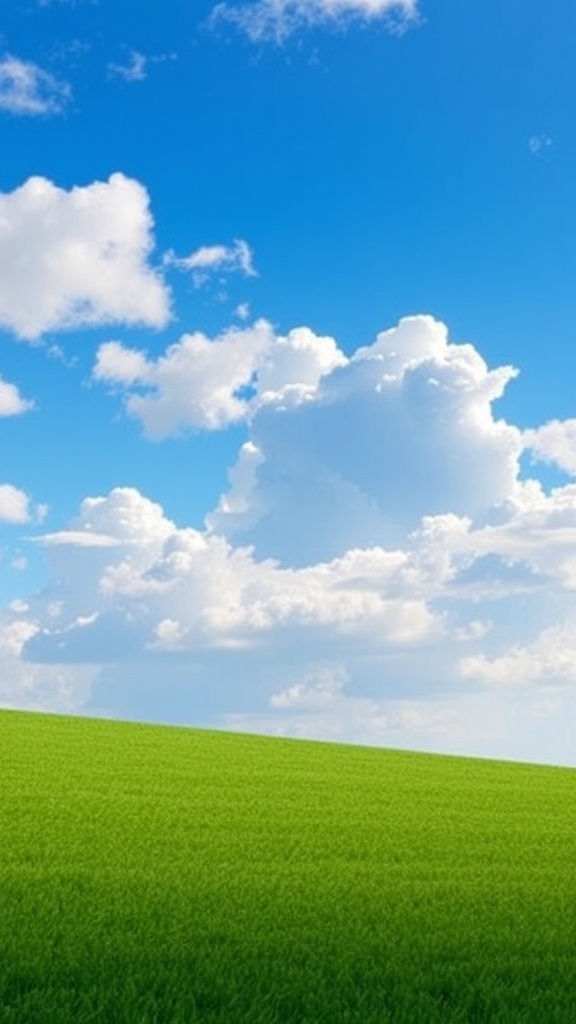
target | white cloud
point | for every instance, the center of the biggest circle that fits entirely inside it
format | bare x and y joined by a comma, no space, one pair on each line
14,505
78,258
275,20
554,442
378,645
343,452
197,383
123,562
189,589
550,660
133,71
14,635
78,538
60,688
315,692
11,401
319,706
378,571
237,258
493,724
536,531
358,452
26,89
208,384
67,3
242,311
119,365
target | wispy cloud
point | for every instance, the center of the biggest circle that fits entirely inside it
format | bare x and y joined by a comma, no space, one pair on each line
538,143
67,3
133,71
275,20
237,258
27,89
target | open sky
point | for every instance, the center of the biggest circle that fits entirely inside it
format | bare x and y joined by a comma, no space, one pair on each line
288,368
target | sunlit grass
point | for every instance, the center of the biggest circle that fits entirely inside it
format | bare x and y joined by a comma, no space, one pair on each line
154,875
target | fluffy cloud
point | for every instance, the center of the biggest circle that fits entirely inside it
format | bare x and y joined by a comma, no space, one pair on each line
208,384
26,89
196,384
378,571
78,258
237,258
401,430
550,659
14,505
343,452
402,646
124,567
11,401
275,20
554,442
37,687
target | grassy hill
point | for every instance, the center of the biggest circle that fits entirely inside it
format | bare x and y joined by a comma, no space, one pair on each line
157,875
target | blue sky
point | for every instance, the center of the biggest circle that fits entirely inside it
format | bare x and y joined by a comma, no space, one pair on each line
287,305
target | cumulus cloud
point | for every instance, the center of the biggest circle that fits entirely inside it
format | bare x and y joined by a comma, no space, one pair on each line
378,571
78,258
379,645
275,20
554,442
534,538
124,567
14,505
62,688
196,384
203,383
123,564
208,260
382,646
11,401
550,659
343,451
25,89
402,429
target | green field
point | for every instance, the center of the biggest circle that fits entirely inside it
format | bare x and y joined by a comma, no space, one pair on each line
157,875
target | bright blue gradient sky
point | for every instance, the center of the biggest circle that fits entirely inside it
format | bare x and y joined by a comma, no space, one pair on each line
263,267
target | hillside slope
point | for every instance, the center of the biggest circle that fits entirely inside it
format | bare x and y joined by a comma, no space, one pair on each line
159,875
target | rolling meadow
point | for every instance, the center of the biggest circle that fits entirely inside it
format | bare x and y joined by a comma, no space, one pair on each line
162,875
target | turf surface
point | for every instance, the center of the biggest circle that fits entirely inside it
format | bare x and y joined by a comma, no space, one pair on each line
156,875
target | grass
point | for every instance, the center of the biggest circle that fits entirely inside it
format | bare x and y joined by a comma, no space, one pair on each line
156,875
